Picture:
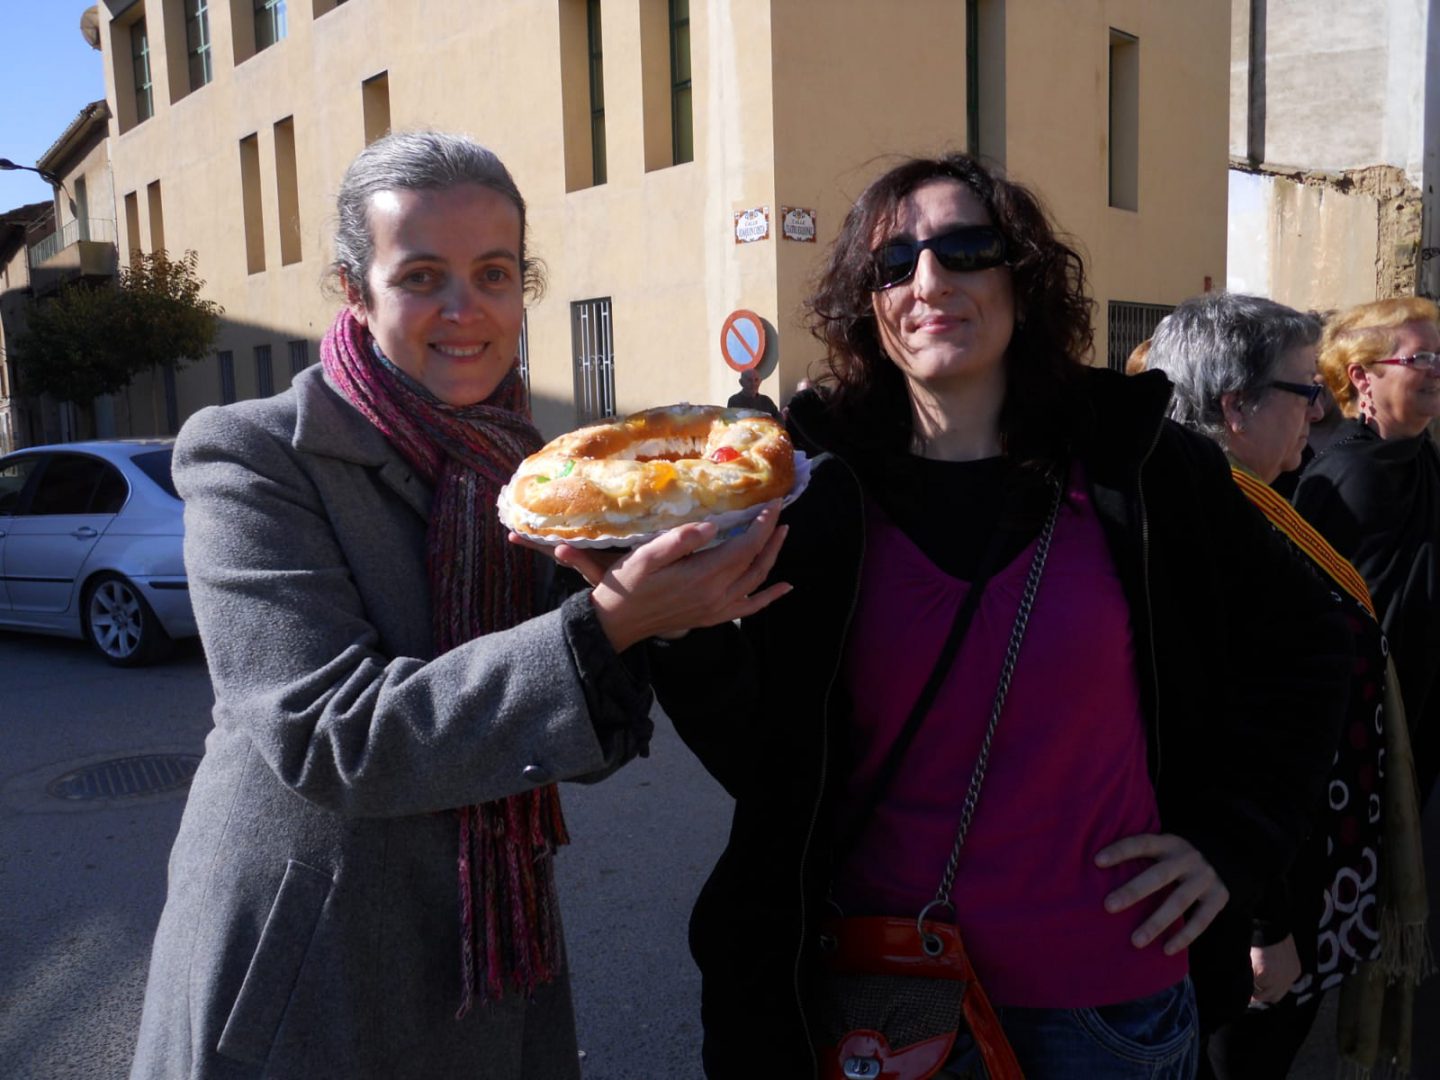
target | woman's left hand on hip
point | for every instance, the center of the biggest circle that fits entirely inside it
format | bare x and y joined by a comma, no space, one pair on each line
1197,895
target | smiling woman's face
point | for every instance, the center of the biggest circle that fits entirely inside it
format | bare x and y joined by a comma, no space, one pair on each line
1404,399
445,285
943,326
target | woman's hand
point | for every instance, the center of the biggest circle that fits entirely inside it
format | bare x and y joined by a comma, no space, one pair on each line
668,585
1197,887
1276,967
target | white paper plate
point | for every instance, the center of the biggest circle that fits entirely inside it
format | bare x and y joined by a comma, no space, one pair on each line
731,523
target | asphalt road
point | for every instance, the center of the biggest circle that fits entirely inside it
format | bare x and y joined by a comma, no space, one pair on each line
82,882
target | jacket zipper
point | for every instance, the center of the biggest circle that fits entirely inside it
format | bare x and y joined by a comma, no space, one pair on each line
1149,599
820,791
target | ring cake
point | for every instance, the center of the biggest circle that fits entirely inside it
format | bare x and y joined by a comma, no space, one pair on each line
649,472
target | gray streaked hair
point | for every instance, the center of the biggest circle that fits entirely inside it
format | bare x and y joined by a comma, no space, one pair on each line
1224,343
417,161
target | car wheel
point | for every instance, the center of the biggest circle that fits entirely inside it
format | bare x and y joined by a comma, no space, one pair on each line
120,624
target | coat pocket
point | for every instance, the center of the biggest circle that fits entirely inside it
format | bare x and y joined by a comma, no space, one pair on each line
275,967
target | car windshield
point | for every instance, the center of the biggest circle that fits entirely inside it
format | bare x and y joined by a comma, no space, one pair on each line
156,465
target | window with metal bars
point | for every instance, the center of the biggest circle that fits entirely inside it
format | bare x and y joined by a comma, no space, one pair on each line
197,42
1129,324
226,360
299,356
264,372
593,345
172,399
524,350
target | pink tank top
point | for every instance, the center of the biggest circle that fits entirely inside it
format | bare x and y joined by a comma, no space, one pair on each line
1067,771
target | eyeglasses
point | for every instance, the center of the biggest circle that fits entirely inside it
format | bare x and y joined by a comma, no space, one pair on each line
1309,391
1427,362
972,247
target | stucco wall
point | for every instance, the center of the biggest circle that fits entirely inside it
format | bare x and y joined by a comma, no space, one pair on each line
793,104
1057,78
1307,246
1344,83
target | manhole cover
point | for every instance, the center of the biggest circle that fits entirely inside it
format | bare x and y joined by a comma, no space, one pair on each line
144,775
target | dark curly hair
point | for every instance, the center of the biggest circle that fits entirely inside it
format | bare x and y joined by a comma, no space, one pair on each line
1052,333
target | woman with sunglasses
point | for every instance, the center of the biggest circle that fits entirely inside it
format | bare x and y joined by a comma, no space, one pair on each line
1244,371
1098,795
1375,492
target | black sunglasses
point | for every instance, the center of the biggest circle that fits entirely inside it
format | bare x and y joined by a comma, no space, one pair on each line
970,247
1309,391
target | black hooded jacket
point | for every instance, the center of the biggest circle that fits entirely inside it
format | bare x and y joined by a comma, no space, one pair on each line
1242,662
1378,502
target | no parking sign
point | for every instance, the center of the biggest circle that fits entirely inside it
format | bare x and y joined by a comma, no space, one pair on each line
742,340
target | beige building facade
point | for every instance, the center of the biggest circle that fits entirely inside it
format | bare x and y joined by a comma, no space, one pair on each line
650,138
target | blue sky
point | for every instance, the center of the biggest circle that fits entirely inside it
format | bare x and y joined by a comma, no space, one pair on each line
47,76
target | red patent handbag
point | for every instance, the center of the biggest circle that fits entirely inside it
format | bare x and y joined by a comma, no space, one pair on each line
908,986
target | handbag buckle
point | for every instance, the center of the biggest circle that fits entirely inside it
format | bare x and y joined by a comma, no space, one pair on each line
860,1068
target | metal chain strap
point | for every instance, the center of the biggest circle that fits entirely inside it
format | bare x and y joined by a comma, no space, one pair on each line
931,943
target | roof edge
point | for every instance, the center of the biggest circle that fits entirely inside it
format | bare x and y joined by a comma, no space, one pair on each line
90,117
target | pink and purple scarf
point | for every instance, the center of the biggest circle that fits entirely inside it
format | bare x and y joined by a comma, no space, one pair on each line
479,582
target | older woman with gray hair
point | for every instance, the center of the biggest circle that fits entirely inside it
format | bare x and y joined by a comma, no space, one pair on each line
1243,368
1244,373
363,881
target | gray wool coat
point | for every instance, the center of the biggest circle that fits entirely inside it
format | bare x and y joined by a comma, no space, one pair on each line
311,927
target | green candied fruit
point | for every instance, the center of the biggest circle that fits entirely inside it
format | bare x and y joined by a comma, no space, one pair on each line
542,479
569,468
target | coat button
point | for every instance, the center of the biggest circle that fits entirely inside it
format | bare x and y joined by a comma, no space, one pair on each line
536,774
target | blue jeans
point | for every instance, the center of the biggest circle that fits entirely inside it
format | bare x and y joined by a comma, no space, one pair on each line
1154,1038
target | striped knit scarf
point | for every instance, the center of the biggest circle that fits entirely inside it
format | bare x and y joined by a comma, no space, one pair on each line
1304,536
479,582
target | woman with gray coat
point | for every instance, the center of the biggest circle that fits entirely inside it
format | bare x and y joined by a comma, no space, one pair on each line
362,885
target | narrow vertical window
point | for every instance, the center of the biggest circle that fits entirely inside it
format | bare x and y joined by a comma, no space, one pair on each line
287,191
1124,120
682,120
157,216
226,360
524,350
250,204
597,92
270,23
132,224
82,209
593,346
299,356
197,42
375,103
172,399
985,78
140,61
264,372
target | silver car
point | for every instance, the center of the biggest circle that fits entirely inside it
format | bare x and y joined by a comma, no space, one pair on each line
90,547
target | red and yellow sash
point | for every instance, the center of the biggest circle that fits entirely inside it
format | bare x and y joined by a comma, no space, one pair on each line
1303,535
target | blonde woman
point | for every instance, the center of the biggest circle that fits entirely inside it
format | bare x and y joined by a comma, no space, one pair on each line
1375,492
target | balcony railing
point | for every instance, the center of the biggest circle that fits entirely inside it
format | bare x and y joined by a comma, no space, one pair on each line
101,230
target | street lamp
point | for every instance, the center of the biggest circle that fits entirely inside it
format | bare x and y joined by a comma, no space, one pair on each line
9,166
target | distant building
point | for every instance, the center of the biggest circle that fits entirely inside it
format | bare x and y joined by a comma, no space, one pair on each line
71,239
659,144
18,228
1335,150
